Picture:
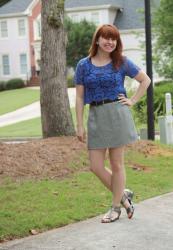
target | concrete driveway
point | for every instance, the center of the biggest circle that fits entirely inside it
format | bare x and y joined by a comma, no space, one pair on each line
30,111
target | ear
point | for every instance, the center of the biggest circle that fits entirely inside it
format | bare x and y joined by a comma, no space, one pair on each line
97,42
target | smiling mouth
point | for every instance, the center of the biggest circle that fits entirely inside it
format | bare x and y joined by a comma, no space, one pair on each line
109,46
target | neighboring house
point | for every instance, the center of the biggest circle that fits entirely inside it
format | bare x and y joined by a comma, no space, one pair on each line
20,31
124,14
20,28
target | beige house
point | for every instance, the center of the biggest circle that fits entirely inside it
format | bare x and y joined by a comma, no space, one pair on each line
26,15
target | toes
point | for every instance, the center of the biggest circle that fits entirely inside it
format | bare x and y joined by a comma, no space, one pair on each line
106,220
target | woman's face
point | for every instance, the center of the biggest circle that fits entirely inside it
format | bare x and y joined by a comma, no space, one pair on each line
107,45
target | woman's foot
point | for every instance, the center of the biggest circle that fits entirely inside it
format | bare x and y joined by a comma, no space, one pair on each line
126,202
112,215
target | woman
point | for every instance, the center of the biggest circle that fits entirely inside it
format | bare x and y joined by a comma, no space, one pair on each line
99,80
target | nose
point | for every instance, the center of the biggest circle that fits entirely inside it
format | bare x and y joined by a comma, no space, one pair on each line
110,40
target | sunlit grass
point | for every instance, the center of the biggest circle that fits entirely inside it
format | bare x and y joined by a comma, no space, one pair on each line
46,204
11,100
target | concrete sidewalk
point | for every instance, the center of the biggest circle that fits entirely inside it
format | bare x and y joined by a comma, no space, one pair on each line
150,229
30,111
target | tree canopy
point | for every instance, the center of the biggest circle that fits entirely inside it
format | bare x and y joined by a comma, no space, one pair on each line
2,2
79,40
163,31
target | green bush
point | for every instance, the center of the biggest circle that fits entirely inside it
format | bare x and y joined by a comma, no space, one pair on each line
70,82
2,85
160,90
15,83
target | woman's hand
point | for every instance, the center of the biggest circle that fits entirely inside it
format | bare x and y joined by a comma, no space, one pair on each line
81,134
125,101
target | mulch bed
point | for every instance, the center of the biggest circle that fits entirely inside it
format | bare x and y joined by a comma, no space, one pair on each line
50,158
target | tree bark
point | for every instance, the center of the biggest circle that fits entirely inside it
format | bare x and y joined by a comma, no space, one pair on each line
56,117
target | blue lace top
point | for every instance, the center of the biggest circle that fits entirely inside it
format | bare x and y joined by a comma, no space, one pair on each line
103,82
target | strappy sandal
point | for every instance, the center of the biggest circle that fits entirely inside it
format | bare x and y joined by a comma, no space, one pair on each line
128,195
108,217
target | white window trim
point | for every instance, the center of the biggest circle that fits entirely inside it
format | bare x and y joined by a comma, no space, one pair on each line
75,17
4,38
95,13
5,54
36,32
21,36
20,73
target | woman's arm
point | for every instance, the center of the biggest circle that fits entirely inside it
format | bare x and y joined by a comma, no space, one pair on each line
79,112
144,81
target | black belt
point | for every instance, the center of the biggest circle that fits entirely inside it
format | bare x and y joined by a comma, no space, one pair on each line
103,102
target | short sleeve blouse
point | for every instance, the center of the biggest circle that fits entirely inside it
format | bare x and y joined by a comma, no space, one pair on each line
103,82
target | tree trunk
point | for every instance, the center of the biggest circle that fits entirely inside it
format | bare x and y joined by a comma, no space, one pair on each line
55,109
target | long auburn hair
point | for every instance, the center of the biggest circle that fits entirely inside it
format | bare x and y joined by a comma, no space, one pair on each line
108,31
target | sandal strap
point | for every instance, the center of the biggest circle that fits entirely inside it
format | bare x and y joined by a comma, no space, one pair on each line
116,209
128,194
130,209
124,198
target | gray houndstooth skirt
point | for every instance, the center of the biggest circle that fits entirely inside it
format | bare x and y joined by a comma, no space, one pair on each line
110,125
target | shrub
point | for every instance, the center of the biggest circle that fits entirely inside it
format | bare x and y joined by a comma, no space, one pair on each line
70,82
15,83
79,40
2,85
160,90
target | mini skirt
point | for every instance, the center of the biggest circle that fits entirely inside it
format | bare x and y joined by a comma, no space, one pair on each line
110,125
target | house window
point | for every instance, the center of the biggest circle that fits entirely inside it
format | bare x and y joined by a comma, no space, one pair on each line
5,65
95,17
23,64
37,29
21,27
4,29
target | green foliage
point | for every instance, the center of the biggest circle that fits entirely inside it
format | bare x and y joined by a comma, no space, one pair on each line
159,101
2,85
54,18
79,40
70,82
2,2
163,31
15,83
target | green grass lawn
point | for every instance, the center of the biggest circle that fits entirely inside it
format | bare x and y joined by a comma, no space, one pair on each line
14,99
46,204
11,100
30,128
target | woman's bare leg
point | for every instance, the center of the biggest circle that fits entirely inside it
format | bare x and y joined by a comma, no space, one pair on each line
97,158
118,174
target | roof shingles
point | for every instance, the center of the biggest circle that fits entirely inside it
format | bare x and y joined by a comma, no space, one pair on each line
129,18
82,3
15,6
